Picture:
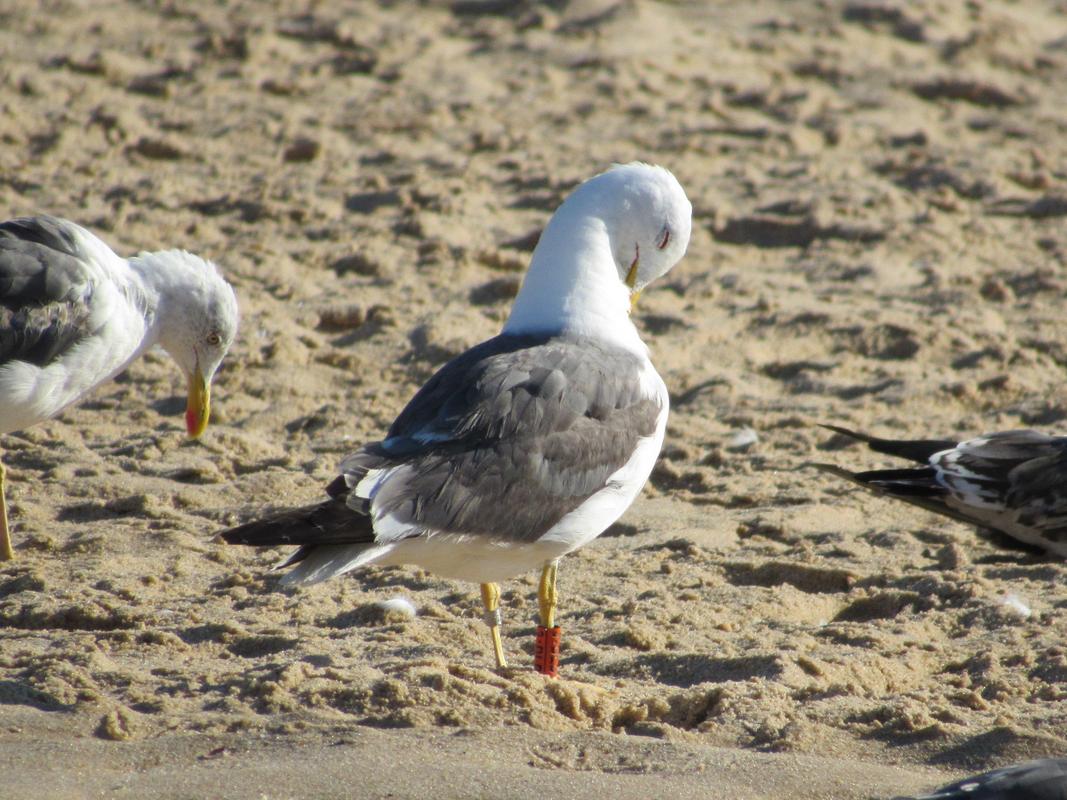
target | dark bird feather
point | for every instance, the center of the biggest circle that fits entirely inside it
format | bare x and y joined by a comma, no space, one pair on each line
1013,482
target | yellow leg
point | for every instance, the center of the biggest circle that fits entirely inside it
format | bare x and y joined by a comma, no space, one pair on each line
6,553
546,594
546,645
491,599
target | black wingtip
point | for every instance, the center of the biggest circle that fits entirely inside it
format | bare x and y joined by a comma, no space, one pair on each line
917,450
900,483
259,533
844,431
329,522
831,469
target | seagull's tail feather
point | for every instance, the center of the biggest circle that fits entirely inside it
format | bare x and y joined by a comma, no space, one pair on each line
901,483
327,523
917,450
331,537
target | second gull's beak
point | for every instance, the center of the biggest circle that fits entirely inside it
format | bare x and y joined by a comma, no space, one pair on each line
198,407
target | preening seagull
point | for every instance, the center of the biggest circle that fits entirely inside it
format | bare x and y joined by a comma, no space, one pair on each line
529,445
1014,482
73,315
1043,779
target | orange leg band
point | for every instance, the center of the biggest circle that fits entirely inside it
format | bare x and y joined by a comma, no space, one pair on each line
546,650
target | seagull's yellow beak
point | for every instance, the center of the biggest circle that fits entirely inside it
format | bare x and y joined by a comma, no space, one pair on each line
198,407
631,281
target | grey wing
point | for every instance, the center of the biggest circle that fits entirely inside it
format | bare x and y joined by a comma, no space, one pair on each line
508,438
44,290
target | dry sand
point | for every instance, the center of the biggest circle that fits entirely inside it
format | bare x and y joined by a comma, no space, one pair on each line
880,196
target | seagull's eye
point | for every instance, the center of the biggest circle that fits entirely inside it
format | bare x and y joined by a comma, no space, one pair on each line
214,339
664,238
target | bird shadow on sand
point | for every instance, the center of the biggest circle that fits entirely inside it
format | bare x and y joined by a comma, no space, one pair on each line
692,669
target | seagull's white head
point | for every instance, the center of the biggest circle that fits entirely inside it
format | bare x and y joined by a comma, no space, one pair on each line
197,322
647,217
610,238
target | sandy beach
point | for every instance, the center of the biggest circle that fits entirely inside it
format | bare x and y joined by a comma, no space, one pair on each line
879,241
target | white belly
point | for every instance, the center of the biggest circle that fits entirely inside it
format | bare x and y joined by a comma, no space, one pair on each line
470,558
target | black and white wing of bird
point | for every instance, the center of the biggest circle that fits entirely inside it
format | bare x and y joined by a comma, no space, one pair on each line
1013,482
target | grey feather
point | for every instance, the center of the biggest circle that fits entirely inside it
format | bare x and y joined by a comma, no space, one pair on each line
44,291
508,438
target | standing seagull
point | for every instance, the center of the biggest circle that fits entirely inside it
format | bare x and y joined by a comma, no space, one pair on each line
529,445
1014,482
73,315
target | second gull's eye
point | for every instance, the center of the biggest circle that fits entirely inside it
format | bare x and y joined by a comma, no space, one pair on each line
664,238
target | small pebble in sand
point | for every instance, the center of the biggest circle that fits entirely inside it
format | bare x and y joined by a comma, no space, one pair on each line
342,317
301,150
